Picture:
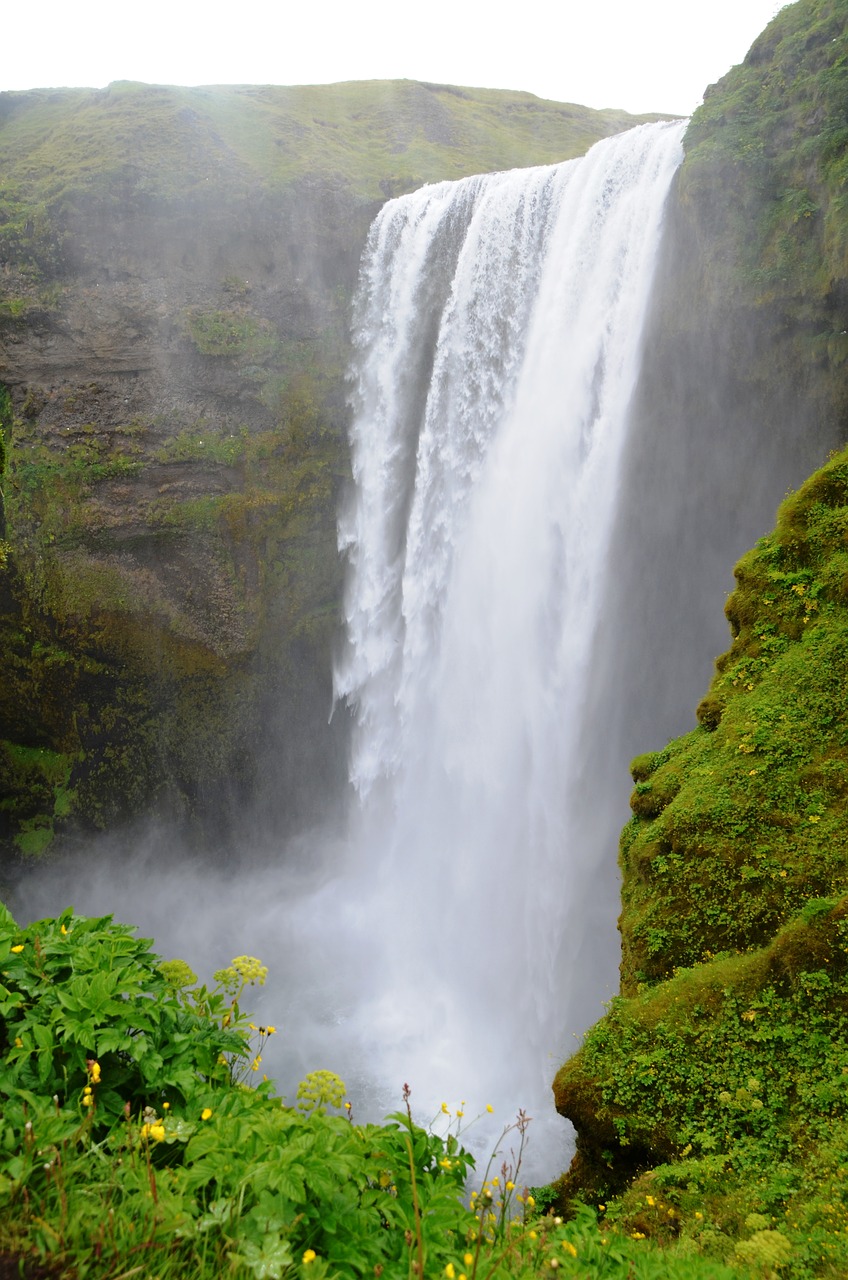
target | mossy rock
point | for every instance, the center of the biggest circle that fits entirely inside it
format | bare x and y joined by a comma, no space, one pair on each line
737,824
735,1057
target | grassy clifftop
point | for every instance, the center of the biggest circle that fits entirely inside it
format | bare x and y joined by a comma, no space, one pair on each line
373,137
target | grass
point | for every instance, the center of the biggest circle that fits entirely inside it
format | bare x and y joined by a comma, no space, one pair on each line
369,136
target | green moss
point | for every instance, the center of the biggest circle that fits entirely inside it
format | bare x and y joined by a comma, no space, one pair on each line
153,684
715,1086
231,333
766,159
35,785
720,1096
203,443
744,819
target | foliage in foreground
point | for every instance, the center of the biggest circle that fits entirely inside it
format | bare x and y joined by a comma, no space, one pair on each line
131,1144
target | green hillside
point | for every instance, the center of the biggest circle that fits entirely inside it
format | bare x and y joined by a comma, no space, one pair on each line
374,137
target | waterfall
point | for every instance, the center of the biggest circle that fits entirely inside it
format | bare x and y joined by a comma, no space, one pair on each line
462,931
497,342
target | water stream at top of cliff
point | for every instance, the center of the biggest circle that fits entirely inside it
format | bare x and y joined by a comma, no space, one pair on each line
497,345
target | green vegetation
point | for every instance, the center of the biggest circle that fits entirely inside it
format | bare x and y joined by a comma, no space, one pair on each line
132,1142
140,679
766,164
718,1082
230,333
61,149
737,825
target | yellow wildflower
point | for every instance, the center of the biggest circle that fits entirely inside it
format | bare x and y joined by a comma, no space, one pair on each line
19,1044
510,1186
64,930
206,1113
468,1258
166,1106
489,1108
18,948
445,1111
569,1248
531,1203
650,1200
157,1132
450,1271
309,1256
271,1031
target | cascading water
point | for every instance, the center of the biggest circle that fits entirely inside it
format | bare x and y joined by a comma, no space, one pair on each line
497,345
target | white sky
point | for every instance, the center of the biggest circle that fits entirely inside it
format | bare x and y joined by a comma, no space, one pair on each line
658,55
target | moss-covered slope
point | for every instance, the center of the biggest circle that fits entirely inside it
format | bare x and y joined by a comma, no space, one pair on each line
723,1067
738,824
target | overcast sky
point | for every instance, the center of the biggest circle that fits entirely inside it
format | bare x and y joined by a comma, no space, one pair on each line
658,55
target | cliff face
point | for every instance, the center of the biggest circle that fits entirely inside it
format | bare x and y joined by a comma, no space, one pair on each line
712,1094
176,268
